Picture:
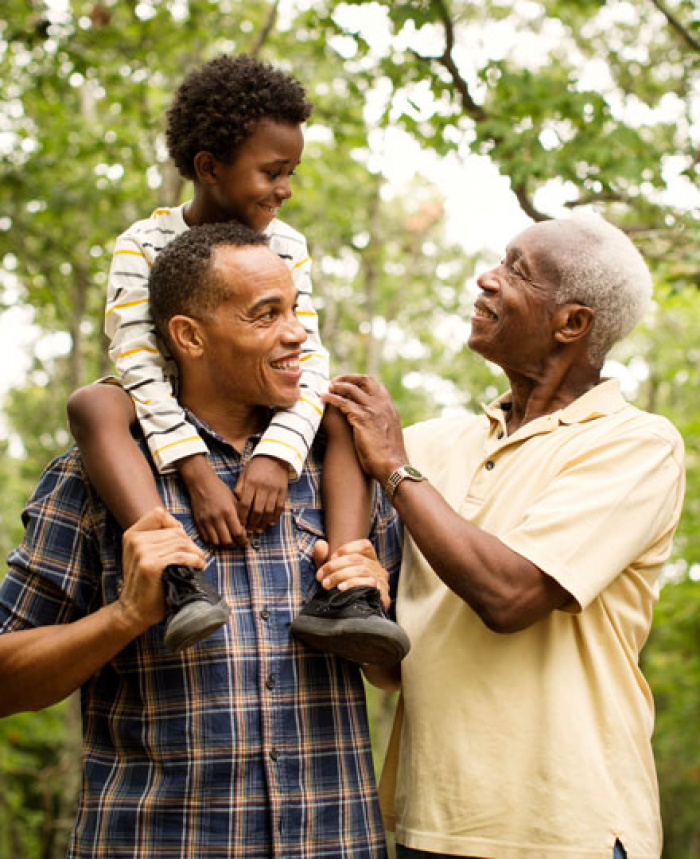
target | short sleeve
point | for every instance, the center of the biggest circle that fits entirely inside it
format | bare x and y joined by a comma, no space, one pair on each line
613,506
53,575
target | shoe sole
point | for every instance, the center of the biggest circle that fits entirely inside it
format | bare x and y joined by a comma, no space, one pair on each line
195,621
373,640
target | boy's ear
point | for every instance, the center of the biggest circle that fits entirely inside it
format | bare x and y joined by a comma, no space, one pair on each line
205,167
572,322
186,336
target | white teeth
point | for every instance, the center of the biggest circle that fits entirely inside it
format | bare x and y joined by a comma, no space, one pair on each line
285,365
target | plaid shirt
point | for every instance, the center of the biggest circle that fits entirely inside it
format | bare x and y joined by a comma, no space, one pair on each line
247,745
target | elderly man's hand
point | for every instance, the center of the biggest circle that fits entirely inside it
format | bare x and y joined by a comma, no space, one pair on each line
354,565
375,423
155,541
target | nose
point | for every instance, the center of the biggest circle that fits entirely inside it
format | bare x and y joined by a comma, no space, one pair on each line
488,280
293,332
283,188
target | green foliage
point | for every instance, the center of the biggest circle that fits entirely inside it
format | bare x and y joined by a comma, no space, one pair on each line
596,99
673,668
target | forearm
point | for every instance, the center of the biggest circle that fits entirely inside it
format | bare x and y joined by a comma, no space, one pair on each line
506,590
39,667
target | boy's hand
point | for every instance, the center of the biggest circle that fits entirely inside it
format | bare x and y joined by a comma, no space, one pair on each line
261,492
213,504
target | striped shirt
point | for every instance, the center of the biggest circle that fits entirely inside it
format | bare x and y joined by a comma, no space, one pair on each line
247,745
150,376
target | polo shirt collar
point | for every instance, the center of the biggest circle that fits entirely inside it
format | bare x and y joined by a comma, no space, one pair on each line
604,399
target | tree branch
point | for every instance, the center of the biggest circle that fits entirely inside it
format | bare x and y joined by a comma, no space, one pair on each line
685,34
267,28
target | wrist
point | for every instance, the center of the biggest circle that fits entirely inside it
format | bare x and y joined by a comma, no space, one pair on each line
191,467
404,473
127,622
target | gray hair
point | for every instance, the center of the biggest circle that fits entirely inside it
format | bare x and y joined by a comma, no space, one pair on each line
607,273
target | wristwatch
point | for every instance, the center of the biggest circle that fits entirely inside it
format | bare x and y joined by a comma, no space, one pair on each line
403,472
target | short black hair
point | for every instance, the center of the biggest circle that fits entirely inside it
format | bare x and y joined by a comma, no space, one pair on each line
217,106
180,280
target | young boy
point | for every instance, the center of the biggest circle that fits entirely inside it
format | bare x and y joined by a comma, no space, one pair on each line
234,129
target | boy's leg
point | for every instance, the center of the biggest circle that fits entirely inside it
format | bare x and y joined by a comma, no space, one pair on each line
100,417
351,623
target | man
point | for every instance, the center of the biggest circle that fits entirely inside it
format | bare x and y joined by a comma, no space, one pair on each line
247,745
535,537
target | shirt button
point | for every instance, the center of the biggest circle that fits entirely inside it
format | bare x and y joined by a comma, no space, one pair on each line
270,682
265,614
274,754
489,465
255,542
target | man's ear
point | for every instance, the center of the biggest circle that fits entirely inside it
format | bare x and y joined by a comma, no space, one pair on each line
572,322
205,168
186,336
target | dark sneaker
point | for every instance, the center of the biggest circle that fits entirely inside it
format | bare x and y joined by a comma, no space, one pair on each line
351,624
194,606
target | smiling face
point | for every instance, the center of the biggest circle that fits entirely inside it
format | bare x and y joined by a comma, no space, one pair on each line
514,318
251,345
257,182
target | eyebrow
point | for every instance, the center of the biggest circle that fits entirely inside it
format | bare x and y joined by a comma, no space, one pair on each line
271,301
281,161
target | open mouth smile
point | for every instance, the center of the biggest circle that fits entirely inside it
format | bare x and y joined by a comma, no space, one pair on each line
481,311
288,364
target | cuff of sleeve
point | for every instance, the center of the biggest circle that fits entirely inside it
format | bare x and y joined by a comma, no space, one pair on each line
282,450
579,599
171,452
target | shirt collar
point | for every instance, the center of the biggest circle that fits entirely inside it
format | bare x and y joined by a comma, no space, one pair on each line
206,430
604,399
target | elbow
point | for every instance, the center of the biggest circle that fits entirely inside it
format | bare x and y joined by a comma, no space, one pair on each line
505,614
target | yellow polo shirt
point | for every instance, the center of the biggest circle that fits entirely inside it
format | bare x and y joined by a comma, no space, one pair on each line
537,744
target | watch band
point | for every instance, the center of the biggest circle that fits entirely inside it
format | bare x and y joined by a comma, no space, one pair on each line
403,472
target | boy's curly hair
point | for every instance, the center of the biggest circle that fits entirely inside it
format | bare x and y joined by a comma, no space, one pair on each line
217,106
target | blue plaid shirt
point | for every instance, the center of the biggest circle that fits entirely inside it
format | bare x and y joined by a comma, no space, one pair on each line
247,745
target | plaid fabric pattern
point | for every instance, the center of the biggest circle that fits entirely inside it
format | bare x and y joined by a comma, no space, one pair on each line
247,745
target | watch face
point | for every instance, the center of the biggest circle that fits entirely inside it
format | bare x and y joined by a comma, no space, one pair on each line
413,472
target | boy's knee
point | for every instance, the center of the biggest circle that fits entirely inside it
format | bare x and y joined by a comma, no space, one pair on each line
95,405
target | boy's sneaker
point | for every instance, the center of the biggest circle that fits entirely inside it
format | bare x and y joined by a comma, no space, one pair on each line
351,624
195,609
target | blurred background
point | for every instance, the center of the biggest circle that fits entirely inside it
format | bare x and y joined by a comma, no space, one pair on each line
440,130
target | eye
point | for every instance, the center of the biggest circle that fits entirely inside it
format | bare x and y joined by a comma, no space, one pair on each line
273,174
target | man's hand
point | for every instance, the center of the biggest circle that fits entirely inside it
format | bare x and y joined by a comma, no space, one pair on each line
155,541
213,504
353,565
371,413
261,492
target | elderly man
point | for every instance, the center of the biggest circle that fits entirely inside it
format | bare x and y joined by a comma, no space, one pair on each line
536,535
247,745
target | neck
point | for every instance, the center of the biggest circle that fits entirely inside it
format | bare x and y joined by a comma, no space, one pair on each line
233,421
201,210
557,387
